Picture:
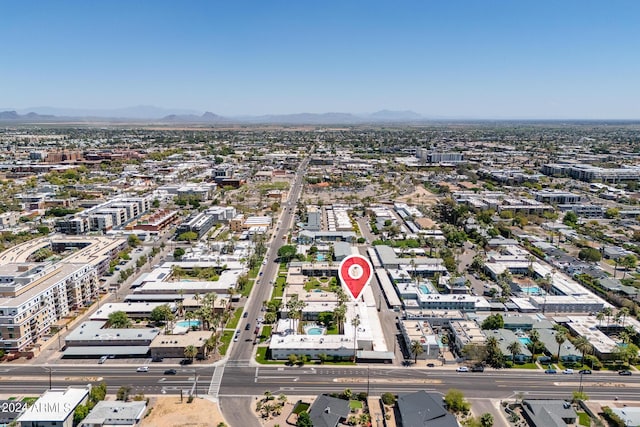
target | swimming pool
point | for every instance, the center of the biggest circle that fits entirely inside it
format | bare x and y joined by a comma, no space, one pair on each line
314,329
320,257
524,340
188,323
424,289
531,290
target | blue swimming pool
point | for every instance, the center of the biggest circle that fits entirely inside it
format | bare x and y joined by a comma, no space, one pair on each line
315,331
424,289
531,290
188,323
524,340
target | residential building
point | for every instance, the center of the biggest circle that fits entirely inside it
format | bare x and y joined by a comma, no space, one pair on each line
326,411
54,408
423,409
111,413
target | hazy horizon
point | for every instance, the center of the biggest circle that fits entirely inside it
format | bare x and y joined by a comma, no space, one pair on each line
496,60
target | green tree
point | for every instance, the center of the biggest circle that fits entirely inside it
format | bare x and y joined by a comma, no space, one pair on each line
495,358
286,253
178,253
188,236
535,344
161,314
514,348
612,213
304,420
190,351
416,350
493,322
583,345
156,203
133,240
629,262
455,401
123,393
560,338
119,320
570,218
590,254
80,414
388,398
486,420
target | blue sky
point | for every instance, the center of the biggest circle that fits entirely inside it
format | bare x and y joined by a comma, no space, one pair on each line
480,58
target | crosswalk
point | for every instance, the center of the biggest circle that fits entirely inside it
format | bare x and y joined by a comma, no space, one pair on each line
216,380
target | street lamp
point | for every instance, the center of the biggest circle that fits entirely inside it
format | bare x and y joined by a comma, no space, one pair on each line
49,369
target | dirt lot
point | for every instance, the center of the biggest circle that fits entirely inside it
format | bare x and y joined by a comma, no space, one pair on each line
169,412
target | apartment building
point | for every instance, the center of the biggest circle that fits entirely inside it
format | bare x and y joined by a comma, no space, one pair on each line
34,296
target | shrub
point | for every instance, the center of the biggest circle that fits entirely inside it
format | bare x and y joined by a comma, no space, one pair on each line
388,398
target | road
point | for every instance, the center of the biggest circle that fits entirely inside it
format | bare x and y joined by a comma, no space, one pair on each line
311,380
241,352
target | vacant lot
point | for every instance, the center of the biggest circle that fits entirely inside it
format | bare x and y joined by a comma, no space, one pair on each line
170,412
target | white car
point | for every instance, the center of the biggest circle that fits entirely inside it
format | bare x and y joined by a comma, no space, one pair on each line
568,371
143,369
462,369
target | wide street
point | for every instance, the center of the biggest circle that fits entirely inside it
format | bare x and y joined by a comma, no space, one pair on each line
313,379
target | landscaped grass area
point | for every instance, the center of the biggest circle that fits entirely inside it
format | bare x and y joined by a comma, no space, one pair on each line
355,404
247,289
235,318
29,400
584,419
261,357
332,330
266,332
529,365
225,340
278,288
300,408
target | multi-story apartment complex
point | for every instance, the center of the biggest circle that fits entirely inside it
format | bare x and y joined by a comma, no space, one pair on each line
34,296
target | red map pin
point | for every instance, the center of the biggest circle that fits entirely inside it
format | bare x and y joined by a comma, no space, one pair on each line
355,273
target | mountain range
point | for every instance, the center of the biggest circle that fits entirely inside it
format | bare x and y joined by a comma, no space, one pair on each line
152,114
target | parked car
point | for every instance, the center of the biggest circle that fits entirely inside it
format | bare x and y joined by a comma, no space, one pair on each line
550,371
462,369
477,368
102,359
568,371
143,369
585,371
431,365
170,372
246,328
246,313
624,372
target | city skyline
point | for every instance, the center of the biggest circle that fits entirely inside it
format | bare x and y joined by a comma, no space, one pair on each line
494,60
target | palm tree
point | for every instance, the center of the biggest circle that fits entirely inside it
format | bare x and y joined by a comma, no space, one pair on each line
583,345
607,311
560,338
514,348
600,317
190,351
355,322
624,337
416,350
624,312
534,336
339,315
